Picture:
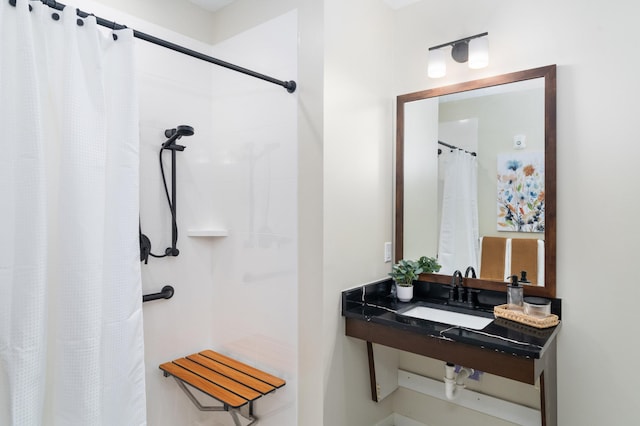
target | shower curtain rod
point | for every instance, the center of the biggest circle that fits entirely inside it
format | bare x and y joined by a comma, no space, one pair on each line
455,147
289,85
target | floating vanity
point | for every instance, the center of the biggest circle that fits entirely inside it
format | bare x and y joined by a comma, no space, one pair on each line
473,338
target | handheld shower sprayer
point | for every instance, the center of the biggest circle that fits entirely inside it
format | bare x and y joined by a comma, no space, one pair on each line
174,135
170,145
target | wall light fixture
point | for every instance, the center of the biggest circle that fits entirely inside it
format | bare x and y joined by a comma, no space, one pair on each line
474,50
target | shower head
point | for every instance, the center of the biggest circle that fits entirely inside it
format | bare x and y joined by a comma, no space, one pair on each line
174,135
180,130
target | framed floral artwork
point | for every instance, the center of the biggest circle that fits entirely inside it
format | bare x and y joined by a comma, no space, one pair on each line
521,192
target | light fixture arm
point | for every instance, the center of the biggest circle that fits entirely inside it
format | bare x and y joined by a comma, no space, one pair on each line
473,49
451,43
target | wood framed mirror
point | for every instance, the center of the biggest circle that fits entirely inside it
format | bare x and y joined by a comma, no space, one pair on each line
502,120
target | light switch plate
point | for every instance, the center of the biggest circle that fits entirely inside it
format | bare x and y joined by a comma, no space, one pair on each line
387,252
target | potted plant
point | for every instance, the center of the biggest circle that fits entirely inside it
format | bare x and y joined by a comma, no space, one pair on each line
404,273
429,265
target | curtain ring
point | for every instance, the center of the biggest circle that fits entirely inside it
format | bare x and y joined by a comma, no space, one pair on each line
114,35
79,20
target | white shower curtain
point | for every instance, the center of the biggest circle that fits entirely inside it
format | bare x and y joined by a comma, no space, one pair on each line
71,344
459,234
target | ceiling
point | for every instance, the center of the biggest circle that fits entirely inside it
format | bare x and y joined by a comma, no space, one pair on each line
397,4
214,5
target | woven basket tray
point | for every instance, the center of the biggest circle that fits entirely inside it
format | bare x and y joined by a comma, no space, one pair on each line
517,315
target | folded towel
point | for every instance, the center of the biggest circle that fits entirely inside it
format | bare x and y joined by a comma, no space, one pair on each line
524,257
493,255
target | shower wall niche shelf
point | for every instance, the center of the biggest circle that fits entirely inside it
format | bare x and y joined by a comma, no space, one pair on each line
207,232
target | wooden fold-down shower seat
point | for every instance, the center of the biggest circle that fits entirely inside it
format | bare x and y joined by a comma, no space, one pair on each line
236,385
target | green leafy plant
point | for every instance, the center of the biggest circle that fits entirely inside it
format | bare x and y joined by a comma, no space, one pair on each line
429,265
405,272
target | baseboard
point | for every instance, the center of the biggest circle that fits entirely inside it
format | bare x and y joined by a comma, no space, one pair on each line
398,420
386,422
405,421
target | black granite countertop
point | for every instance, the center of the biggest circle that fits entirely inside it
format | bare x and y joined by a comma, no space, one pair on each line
375,302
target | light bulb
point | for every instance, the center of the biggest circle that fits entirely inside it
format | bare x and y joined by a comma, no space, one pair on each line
437,66
478,52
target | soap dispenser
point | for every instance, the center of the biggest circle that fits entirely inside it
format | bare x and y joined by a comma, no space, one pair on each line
515,293
523,278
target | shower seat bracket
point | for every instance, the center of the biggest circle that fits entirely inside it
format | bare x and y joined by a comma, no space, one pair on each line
243,411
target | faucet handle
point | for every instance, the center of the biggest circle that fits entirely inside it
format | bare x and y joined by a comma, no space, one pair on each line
452,293
461,292
471,298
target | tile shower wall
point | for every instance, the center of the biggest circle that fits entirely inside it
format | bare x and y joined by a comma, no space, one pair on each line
254,164
236,294
175,90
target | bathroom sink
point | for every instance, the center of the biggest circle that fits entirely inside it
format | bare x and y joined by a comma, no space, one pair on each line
474,322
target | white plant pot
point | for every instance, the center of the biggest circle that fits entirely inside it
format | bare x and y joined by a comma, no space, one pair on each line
405,294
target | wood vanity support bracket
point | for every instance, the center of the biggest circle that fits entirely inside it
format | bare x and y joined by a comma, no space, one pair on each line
519,368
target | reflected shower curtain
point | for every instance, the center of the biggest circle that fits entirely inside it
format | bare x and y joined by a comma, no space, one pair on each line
71,344
459,234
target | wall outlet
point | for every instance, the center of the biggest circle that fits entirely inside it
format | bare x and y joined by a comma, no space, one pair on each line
387,252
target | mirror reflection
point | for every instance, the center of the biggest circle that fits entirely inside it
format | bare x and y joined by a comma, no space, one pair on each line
475,170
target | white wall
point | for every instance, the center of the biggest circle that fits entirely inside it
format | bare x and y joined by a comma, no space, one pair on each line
345,162
243,15
597,152
420,210
254,192
183,17
358,182
310,218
